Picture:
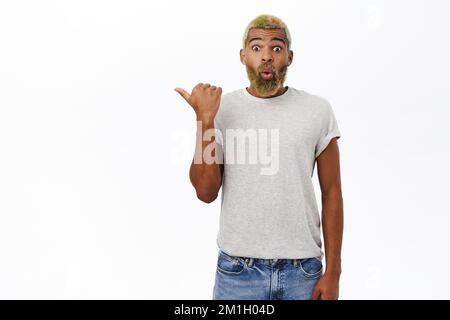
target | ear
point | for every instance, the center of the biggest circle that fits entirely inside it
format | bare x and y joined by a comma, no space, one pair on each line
291,56
242,55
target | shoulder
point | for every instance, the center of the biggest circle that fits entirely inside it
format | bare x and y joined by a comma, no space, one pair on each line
229,99
231,95
317,104
314,99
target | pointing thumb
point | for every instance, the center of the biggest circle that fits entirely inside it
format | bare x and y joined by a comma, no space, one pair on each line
183,93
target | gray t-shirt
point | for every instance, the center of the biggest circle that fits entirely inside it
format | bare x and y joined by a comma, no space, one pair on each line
269,148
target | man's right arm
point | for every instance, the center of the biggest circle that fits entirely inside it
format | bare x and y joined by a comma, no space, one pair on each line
206,177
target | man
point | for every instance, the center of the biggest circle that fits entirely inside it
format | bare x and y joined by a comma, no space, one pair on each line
269,236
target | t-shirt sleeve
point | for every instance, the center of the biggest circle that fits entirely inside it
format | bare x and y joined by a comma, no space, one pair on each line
328,131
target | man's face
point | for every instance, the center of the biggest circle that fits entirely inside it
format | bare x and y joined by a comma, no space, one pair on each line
266,50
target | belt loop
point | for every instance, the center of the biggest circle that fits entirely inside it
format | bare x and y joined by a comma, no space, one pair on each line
295,262
249,262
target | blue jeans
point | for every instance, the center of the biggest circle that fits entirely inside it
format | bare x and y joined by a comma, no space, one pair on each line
243,278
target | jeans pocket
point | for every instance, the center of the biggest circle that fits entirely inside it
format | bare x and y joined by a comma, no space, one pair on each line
311,268
230,265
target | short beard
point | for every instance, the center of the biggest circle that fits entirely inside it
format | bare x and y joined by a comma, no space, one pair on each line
266,88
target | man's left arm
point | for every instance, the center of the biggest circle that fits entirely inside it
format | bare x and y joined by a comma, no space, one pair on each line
328,170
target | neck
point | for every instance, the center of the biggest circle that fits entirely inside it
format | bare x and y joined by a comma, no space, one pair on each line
277,92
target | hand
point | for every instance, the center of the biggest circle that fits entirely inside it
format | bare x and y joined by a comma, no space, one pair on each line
204,99
327,288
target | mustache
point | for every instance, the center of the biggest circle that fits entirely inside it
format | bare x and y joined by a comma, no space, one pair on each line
266,67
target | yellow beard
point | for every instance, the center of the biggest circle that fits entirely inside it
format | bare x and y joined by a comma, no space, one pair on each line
266,88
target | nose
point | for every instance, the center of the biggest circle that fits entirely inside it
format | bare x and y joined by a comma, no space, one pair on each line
267,55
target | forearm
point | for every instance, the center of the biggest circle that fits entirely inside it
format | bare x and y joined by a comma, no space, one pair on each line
333,225
204,173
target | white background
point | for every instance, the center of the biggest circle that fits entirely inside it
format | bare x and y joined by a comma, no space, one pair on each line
95,145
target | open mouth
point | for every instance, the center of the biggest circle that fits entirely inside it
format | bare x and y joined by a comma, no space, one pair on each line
267,75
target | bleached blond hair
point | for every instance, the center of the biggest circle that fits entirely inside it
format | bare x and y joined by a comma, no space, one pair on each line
267,21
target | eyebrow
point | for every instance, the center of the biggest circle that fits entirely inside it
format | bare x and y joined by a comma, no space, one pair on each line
274,38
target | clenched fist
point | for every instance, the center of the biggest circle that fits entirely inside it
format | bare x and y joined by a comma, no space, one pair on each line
204,99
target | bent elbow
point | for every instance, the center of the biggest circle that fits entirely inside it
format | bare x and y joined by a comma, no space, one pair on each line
207,197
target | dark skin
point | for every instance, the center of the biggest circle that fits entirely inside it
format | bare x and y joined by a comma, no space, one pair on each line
273,54
266,49
205,177
328,171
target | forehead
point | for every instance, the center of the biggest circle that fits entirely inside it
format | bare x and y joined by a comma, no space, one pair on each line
266,34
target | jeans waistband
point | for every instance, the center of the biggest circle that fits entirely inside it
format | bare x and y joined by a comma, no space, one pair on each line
250,261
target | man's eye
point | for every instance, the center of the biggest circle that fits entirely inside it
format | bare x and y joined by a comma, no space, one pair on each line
280,48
